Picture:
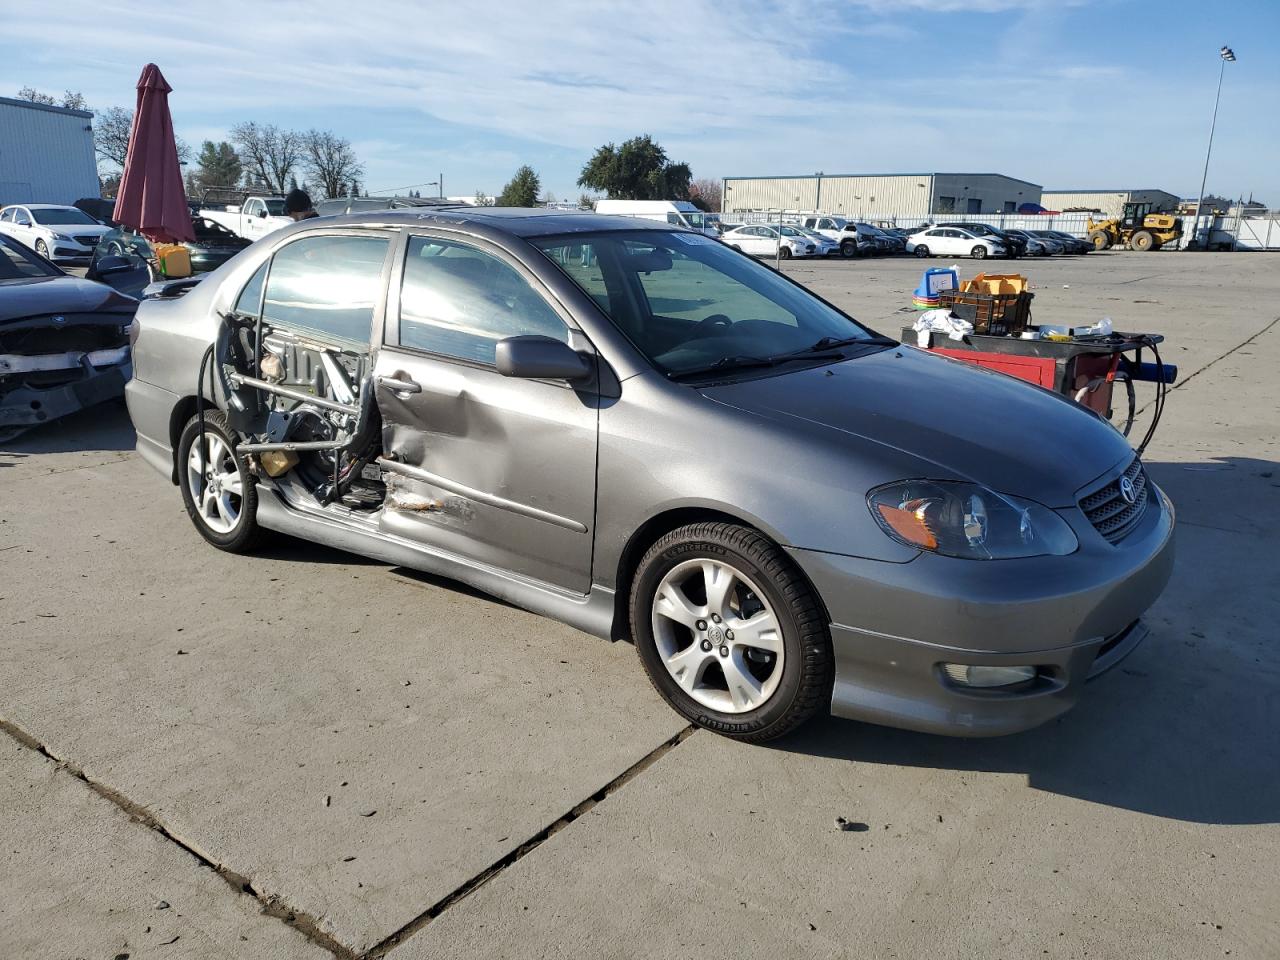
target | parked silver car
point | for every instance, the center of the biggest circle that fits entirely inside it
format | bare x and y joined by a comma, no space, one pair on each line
650,436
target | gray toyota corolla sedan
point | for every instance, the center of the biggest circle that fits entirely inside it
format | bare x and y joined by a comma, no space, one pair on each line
645,434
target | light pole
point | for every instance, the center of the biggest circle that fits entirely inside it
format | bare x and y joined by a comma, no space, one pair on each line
1228,56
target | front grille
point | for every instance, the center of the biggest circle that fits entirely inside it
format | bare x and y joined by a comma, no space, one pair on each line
87,241
1110,513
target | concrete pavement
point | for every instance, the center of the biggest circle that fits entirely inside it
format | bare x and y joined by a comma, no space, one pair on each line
333,757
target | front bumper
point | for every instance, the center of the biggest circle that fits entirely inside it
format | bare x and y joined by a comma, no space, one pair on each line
62,251
895,624
25,406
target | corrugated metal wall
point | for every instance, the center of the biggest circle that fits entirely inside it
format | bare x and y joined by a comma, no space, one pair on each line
973,194
1111,204
46,155
775,193
878,197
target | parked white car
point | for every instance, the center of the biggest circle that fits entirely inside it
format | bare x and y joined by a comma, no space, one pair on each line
823,246
761,240
52,230
953,242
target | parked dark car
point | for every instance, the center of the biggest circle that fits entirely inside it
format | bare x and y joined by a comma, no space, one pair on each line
214,245
1017,246
64,341
1073,244
101,210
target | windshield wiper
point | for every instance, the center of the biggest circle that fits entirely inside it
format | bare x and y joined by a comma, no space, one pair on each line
727,363
829,343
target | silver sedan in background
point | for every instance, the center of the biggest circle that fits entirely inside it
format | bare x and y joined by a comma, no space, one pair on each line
645,434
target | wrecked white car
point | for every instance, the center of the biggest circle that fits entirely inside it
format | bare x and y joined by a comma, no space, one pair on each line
64,342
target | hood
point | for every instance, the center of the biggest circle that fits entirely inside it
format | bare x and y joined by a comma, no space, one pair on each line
958,420
77,229
26,298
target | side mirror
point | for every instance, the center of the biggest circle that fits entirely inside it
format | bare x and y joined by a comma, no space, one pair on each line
112,264
536,357
262,214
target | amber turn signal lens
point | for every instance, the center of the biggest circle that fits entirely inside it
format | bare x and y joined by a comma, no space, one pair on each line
908,524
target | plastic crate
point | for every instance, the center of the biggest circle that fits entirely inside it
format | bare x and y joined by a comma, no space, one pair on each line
996,314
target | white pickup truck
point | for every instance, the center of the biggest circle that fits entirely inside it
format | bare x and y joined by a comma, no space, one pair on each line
254,217
842,231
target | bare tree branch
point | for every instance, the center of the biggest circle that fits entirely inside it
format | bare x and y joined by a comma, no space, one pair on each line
331,162
270,155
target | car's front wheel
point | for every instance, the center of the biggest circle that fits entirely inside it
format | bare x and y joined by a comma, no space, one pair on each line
219,491
921,251
848,248
42,248
784,253
979,252
730,633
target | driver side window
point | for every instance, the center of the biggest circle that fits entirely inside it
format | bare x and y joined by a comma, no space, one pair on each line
458,301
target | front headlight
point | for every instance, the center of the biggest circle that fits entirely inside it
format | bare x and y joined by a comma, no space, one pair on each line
968,521
60,236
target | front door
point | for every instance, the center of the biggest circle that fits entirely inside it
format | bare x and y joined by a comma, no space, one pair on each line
498,470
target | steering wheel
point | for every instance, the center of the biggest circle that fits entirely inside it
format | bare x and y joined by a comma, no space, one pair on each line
714,320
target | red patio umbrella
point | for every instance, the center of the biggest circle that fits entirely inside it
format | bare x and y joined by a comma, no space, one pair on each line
151,199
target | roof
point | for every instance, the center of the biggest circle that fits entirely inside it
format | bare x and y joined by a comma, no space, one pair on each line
1124,190
44,206
516,221
838,176
31,105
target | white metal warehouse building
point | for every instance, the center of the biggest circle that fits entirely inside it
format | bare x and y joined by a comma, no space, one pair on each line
881,196
46,153
1109,202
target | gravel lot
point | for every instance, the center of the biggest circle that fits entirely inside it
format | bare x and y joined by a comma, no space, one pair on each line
303,754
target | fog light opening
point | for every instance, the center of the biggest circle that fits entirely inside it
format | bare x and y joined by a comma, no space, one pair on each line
987,677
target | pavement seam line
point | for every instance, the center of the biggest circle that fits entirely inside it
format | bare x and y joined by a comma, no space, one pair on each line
1239,346
384,946
271,906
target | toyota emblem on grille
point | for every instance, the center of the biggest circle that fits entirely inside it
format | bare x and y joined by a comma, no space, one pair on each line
1127,492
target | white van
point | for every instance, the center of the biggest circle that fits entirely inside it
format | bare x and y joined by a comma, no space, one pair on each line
680,213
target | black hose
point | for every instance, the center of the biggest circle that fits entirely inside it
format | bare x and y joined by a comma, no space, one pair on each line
1162,391
204,456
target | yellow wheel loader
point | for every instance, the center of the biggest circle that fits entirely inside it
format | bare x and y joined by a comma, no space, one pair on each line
1139,229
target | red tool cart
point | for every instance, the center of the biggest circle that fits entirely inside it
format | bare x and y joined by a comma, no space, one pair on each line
1085,368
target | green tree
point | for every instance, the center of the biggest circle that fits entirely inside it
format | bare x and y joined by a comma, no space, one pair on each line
637,170
218,165
522,190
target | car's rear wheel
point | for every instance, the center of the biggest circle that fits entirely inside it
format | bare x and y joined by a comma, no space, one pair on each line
848,248
219,491
42,248
921,251
979,252
730,633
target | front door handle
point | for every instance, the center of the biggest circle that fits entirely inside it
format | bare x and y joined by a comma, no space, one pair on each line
400,384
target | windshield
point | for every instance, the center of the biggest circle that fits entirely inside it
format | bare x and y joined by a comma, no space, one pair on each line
61,215
689,303
17,264
275,207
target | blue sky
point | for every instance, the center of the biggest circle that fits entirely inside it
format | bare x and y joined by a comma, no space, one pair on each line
1065,93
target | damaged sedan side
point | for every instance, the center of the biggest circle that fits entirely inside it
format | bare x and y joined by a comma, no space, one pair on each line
64,341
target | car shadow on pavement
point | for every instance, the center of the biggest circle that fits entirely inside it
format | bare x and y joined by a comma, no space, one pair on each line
102,427
1188,726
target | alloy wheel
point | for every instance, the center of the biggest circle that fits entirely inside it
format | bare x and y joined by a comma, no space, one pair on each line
219,482
717,636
